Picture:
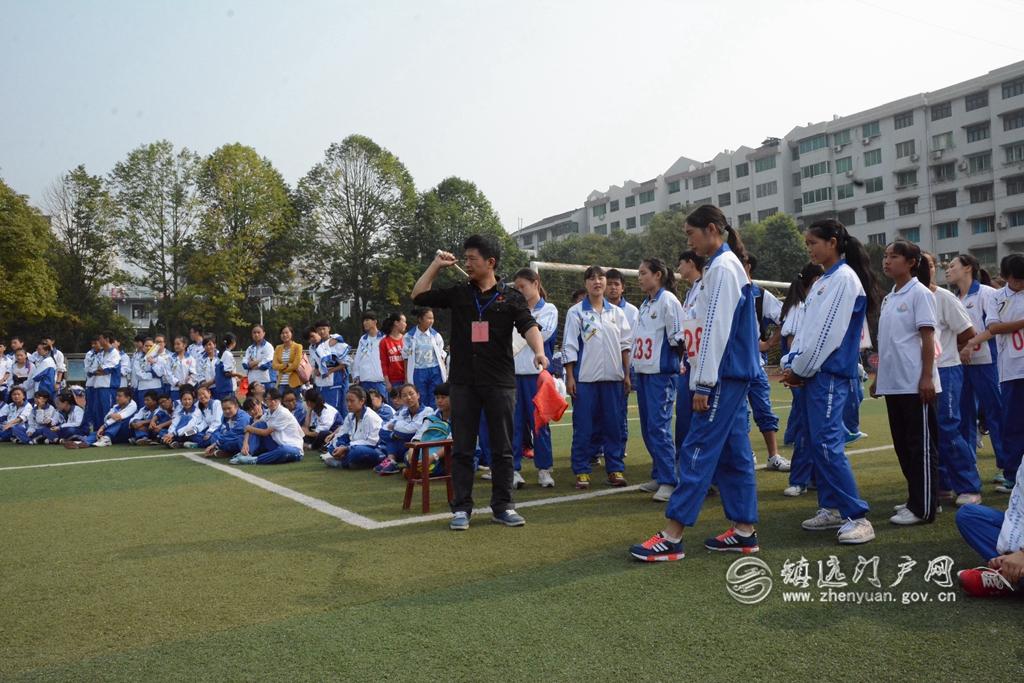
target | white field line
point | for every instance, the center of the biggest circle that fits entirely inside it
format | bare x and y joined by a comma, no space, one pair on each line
90,462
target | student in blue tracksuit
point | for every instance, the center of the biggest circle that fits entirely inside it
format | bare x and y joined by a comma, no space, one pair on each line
597,348
423,349
14,413
657,345
115,424
107,378
91,364
958,468
178,369
259,359
290,400
227,439
323,419
186,423
822,361
42,420
225,377
614,292
367,369
717,445
70,420
276,439
163,418
145,372
213,417
980,390
331,358
197,349
691,269
402,428
357,437
44,372
528,283
142,420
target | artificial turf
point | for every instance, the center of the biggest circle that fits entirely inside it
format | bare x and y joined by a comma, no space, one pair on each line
162,568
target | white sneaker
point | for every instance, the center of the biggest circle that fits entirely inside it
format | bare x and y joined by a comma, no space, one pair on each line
545,479
794,491
823,519
649,486
903,506
102,441
663,493
485,472
905,518
777,463
968,499
856,531
517,480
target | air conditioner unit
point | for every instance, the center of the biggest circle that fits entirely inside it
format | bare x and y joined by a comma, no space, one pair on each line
937,154
914,157
866,141
962,166
1000,225
837,148
849,174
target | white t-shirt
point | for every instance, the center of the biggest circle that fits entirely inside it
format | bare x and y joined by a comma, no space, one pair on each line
904,313
286,428
1007,306
953,319
771,307
658,327
977,302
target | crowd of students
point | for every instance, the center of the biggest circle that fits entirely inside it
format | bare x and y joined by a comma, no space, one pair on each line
947,362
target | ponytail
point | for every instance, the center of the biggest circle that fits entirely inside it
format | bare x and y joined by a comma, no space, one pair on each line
226,341
530,275
705,215
656,265
800,286
851,249
911,252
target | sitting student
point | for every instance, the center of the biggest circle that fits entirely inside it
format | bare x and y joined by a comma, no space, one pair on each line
437,427
402,428
379,406
356,444
186,424
275,439
320,422
395,397
115,423
14,413
999,539
227,439
290,400
163,418
257,392
142,420
41,420
213,416
70,421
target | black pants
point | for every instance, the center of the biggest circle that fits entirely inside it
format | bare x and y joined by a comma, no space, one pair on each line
497,405
915,430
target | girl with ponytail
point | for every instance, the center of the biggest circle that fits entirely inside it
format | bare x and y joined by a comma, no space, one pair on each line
823,360
225,375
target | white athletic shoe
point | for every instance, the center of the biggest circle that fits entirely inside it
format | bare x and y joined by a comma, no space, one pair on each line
663,493
485,472
777,463
794,491
102,441
968,499
649,486
856,531
545,479
903,506
823,519
517,480
905,518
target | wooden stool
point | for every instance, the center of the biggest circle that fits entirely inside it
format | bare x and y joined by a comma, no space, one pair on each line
418,471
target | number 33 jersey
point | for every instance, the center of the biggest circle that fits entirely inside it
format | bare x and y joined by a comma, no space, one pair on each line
658,329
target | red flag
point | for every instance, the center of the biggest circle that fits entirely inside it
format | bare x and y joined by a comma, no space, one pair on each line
548,403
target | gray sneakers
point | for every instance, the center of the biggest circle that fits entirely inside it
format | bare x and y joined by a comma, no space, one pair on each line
823,519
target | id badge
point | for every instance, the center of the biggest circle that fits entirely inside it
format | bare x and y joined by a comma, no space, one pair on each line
480,331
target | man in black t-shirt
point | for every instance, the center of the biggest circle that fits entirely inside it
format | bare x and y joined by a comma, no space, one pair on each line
482,374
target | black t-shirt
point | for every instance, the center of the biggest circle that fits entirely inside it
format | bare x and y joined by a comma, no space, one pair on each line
482,363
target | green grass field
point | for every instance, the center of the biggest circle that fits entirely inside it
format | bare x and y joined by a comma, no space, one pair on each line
163,568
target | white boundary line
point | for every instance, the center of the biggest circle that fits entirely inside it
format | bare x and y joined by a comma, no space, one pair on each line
89,462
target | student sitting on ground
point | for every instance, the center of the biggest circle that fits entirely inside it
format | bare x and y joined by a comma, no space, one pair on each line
70,421
41,420
290,400
142,420
14,413
320,422
275,439
228,437
186,424
356,443
115,423
402,428
163,418
257,392
213,416
379,405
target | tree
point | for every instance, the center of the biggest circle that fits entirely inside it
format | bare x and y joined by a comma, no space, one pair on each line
28,285
243,236
353,204
665,236
156,190
778,245
616,250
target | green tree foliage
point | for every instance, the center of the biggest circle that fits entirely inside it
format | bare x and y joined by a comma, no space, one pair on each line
778,244
616,250
243,235
665,236
28,285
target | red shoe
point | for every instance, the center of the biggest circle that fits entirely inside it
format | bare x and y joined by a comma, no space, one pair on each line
528,453
982,582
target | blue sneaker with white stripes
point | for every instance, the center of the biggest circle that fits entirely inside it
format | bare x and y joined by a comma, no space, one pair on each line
731,542
657,548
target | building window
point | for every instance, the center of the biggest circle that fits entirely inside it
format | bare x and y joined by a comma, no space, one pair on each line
904,149
646,218
647,196
906,207
843,165
742,195
875,212
819,168
841,138
614,205
1013,88
944,172
702,181
873,158
798,206
977,163
1013,120
1014,153
794,153
976,100
764,164
673,187
906,179
613,226
767,189
723,175
981,193
675,206
942,141
761,215
1014,184
873,184
743,219
631,223
977,132
811,144
942,111
947,256
702,201
980,226
904,120
877,238
796,179
742,170
527,240
946,231
599,210
945,200
911,234
138,312
820,195
630,201
870,130
1015,219
601,229
725,199
986,256
844,191
848,217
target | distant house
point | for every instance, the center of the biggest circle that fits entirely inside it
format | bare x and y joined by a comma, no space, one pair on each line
135,303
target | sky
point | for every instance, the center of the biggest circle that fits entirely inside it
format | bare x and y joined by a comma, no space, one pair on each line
538,103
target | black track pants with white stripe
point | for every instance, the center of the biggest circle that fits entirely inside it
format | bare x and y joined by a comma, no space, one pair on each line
915,432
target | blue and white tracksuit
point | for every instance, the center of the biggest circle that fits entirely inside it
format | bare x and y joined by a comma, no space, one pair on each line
825,353
224,382
145,377
230,435
213,418
980,387
546,316
178,370
990,532
801,465
186,426
593,342
285,442
426,365
332,386
366,368
760,393
91,364
1005,307
41,422
117,430
657,334
401,430
10,413
258,364
361,433
68,425
107,379
717,444
692,332
44,376
143,414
